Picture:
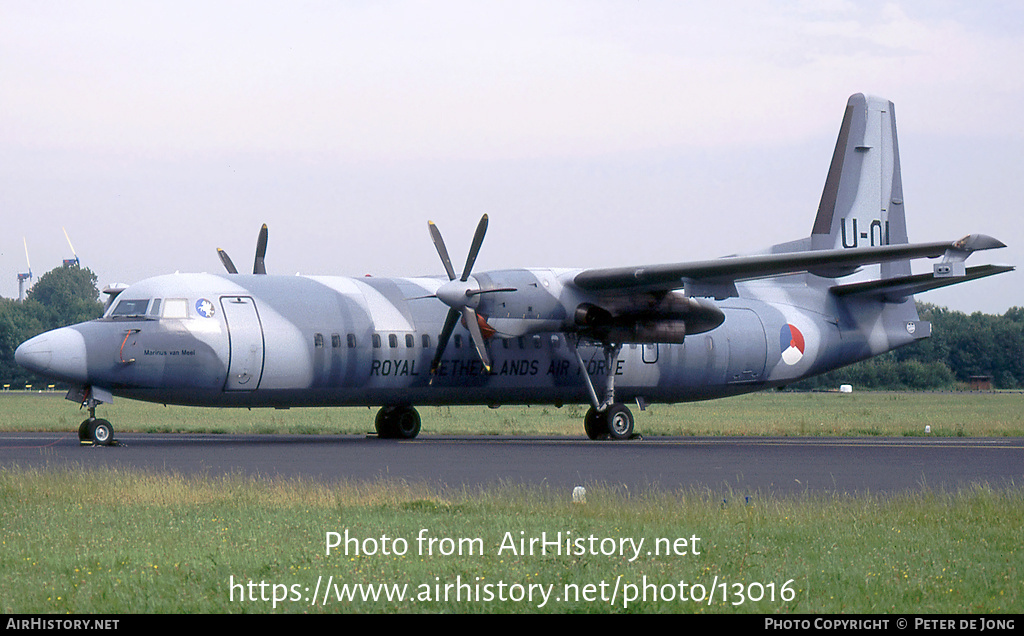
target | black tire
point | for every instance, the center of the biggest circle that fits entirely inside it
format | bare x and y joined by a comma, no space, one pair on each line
101,432
83,431
397,422
619,421
594,424
406,423
385,424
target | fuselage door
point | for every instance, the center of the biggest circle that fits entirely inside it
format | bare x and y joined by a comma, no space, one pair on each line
748,346
245,341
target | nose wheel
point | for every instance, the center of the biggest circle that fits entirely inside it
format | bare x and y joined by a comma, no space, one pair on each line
96,431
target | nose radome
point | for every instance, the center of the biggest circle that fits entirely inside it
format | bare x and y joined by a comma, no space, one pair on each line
58,354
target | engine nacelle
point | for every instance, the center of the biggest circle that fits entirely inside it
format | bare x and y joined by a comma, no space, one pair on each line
668,319
646,332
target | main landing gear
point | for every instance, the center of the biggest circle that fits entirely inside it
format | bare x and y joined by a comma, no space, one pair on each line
397,422
606,419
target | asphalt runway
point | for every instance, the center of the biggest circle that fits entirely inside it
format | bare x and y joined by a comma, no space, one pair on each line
736,465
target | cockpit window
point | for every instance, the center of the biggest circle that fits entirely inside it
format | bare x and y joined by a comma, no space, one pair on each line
175,308
130,307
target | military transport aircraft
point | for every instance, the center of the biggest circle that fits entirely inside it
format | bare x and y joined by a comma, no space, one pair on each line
658,333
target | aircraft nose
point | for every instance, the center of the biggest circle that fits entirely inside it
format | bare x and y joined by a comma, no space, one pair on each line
57,354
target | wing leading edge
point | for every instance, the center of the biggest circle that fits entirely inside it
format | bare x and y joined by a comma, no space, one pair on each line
721,274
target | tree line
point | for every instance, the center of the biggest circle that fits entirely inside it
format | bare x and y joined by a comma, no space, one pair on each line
61,297
961,345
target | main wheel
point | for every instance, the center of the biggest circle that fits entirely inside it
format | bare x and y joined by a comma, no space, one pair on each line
594,424
397,422
384,423
83,431
407,423
619,421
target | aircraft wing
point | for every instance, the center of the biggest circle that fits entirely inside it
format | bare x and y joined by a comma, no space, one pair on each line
718,275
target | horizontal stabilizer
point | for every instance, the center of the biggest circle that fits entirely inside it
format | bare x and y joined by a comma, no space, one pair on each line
899,289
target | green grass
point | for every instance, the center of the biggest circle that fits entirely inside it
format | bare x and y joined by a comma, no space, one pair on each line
767,413
116,541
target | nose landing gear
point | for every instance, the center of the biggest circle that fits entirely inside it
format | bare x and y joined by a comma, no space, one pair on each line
93,430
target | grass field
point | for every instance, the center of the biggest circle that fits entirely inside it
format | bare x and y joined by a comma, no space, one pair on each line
769,413
114,541
117,542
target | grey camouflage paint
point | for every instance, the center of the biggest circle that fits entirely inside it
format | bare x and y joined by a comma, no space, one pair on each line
283,341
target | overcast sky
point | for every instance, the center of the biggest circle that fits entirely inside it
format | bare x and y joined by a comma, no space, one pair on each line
593,133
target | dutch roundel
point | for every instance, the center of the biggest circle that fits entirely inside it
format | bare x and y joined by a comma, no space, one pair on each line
791,342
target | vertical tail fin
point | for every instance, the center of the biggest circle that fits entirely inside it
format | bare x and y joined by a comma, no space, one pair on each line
862,203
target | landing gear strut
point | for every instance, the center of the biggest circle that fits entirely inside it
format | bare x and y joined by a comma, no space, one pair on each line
397,422
606,419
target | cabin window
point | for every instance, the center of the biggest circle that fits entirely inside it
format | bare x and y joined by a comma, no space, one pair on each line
410,341
318,340
351,341
392,341
556,342
335,341
426,341
376,341
458,341
504,344
536,342
129,307
175,308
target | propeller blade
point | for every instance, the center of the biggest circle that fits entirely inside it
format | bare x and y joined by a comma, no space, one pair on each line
442,251
474,249
442,341
478,338
259,266
224,258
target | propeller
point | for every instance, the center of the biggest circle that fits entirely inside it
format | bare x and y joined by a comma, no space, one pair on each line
462,296
259,264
